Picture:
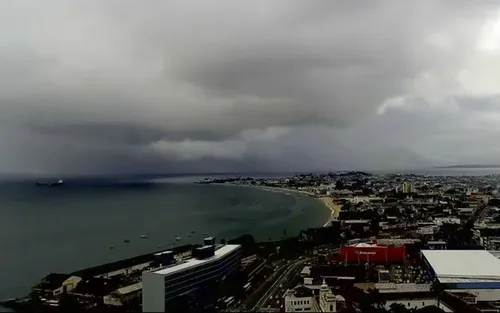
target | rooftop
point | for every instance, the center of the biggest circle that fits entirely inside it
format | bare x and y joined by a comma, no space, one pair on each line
399,296
453,266
400,288
129,289
219,253
397,241
306,271
436,242
122,264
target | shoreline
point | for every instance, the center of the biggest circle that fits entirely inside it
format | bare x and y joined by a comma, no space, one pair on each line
325,200
333,207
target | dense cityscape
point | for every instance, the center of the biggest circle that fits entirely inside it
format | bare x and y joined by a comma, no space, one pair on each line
394,243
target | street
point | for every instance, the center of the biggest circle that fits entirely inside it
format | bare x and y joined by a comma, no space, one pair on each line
290,268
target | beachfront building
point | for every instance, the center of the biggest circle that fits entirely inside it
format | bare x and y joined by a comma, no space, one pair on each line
209,267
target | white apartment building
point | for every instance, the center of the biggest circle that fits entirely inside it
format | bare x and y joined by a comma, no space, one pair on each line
300,299
211,264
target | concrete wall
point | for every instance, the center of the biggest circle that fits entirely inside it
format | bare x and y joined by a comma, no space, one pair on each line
153,292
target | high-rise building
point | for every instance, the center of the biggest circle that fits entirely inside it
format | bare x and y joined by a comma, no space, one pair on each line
408,187
209,266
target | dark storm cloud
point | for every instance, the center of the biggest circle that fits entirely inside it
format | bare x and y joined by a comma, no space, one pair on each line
117,86
483,104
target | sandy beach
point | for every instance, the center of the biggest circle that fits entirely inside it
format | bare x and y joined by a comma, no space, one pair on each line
333,207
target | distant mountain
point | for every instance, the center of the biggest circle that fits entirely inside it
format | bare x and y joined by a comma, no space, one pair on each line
470,166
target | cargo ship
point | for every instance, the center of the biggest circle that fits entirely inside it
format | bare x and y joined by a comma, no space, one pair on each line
51,183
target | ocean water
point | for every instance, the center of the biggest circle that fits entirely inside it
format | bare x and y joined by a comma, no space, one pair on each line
68,228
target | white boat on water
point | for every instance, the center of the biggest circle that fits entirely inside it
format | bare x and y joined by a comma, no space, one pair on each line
178,238
144,236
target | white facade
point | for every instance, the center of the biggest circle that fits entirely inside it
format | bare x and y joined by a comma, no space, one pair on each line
437,245
446,220
329,302
153,293
418,304
427,230
300,304
162,285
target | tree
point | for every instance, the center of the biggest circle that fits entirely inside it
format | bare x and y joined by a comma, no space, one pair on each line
398,308
247,243
69,303
377,299
346,207
339,185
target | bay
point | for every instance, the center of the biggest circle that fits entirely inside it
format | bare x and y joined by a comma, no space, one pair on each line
68,228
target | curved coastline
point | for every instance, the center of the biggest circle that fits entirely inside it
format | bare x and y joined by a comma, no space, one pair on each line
327,202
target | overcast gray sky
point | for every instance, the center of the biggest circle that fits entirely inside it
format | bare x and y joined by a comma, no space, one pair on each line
94,86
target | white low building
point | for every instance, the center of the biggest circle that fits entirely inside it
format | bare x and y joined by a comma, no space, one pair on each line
446,220
416,301
122,295
474,271
412,296
302,299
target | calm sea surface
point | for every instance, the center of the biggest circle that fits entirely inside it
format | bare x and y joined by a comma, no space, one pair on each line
68,228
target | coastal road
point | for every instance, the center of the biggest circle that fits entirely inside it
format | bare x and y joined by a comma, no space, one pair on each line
295,266
279,280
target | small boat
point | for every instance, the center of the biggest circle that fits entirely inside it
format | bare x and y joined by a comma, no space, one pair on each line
111,248
51,183
126,241
178,238
144,236
192,232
